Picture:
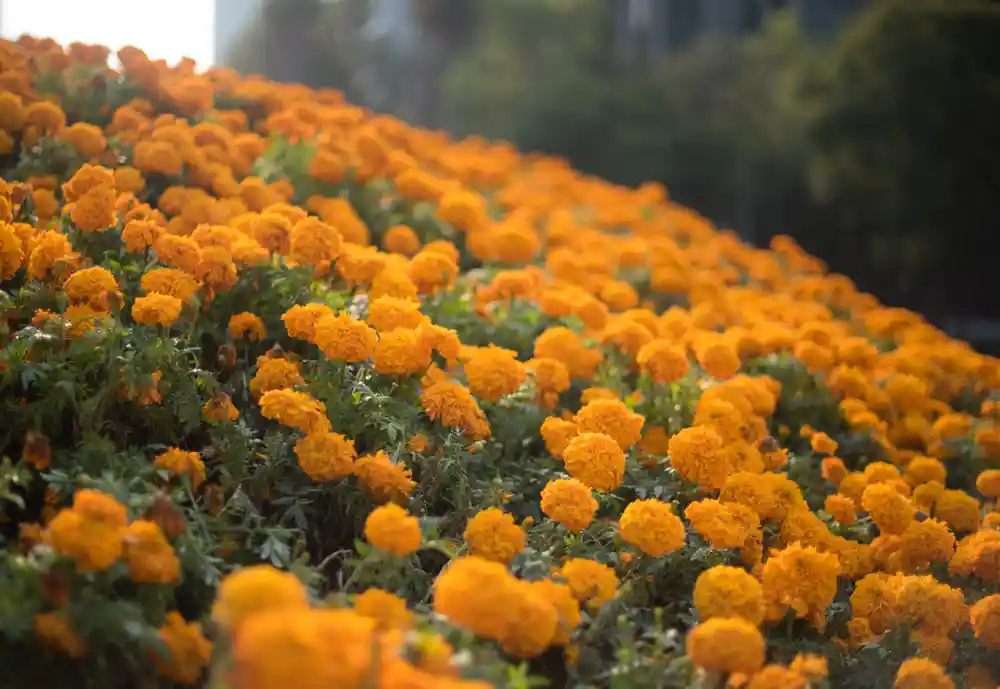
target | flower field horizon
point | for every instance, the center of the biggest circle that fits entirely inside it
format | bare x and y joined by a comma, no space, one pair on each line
294,394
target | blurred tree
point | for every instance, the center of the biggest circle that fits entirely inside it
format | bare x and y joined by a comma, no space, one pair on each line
904,159
305,41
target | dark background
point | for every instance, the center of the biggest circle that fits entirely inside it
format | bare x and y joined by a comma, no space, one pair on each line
867,129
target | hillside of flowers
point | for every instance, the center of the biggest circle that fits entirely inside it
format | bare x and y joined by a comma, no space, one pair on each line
296,395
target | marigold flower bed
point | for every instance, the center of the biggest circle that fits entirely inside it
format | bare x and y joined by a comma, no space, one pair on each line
296,395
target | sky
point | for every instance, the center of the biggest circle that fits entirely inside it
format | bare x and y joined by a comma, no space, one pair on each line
186,30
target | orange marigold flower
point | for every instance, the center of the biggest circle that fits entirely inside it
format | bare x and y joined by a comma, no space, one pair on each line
170,281
90,532
663,361
296,409
726,645
388,610
182,463
652,527
391,529
275,373
326,456
247,325
156,309
475,593
823,444
383,480
251,591
386,314
840,508
596,460
494,372
400,352
188,651
492,534
920,673
612,418
569,502
90,284
56,633
180,252
148,554
140,234
343,338
95,210
454,406
220,408
401,239
723,591
698,455
800,579
300,320
592,583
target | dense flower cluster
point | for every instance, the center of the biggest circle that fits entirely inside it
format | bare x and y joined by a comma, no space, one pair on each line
294,394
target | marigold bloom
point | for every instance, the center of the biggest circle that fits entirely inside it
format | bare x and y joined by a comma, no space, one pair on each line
431,271
652,527
400,352
957,509
454,406
840,508
475,593
56,633
171,281
494,372
250,591
557,434
566,346
90,284
11,252
729,592
385,314
313,242
247,325
698,455
343,338
823,444
532,622
401,239
188,650
492,534
596,460
592,583
920,673
140,234
156,309
612,418
724,644
148,554
392,529
182,463
569,502
220,408
664,361
90,532
95,210
296,409
985,618
326,456
275,373
182,253
890,511
300,320
386,609
724,525
801,579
